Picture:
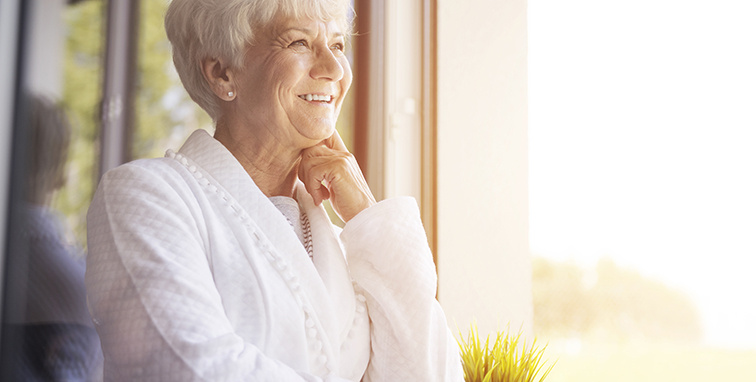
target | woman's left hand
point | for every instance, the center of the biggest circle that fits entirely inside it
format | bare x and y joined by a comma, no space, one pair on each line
329,171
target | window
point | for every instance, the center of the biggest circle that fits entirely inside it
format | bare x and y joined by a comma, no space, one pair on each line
641,153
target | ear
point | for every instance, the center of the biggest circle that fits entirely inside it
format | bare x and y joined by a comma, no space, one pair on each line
219,77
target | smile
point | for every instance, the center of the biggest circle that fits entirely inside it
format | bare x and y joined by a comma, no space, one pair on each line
317,97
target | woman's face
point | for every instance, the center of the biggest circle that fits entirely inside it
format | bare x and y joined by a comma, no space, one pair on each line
294,80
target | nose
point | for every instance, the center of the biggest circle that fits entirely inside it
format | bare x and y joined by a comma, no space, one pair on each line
327,66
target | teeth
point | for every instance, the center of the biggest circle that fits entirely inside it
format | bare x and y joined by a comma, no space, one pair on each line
315,97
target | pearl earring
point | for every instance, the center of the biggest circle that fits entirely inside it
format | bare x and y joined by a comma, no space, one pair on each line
230,94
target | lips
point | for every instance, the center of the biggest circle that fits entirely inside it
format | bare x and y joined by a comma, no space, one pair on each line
325,98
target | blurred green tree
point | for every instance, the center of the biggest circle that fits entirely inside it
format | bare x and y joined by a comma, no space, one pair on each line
164,114
82,71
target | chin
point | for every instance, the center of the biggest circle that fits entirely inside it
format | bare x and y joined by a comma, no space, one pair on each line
320,131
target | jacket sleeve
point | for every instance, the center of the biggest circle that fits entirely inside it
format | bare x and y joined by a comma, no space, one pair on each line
151,292
390,261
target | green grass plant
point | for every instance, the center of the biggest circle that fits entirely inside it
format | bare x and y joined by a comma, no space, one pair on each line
508,359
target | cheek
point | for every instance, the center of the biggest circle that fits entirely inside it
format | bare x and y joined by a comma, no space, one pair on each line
282,72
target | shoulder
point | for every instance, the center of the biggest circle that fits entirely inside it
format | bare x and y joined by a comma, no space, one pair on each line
143,169
144,183
144,176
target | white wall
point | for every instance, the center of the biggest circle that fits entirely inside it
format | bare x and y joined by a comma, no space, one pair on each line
483,254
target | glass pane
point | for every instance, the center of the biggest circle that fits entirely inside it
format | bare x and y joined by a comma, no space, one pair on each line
45,310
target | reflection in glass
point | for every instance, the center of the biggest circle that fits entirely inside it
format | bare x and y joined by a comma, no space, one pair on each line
58,341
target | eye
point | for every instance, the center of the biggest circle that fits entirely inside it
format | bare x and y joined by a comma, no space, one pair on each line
338,46
298,43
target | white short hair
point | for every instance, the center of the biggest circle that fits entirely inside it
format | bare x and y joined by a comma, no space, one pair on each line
201,29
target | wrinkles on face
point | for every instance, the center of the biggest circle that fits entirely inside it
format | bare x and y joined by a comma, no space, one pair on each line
299,57
288,95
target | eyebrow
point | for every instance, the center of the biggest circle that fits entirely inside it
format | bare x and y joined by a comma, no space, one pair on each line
309,31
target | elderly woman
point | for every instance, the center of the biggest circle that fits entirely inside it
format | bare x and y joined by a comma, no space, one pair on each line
218,262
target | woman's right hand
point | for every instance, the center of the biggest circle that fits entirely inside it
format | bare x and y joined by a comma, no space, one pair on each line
329,171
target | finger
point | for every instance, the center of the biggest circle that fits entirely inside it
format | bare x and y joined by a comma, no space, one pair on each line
317,151
315,189
314,172
311,186
327,174
325,193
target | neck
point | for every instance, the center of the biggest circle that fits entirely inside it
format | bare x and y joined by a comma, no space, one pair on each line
272,165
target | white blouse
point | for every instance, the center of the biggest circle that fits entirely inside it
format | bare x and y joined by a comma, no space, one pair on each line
193,274
299,222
